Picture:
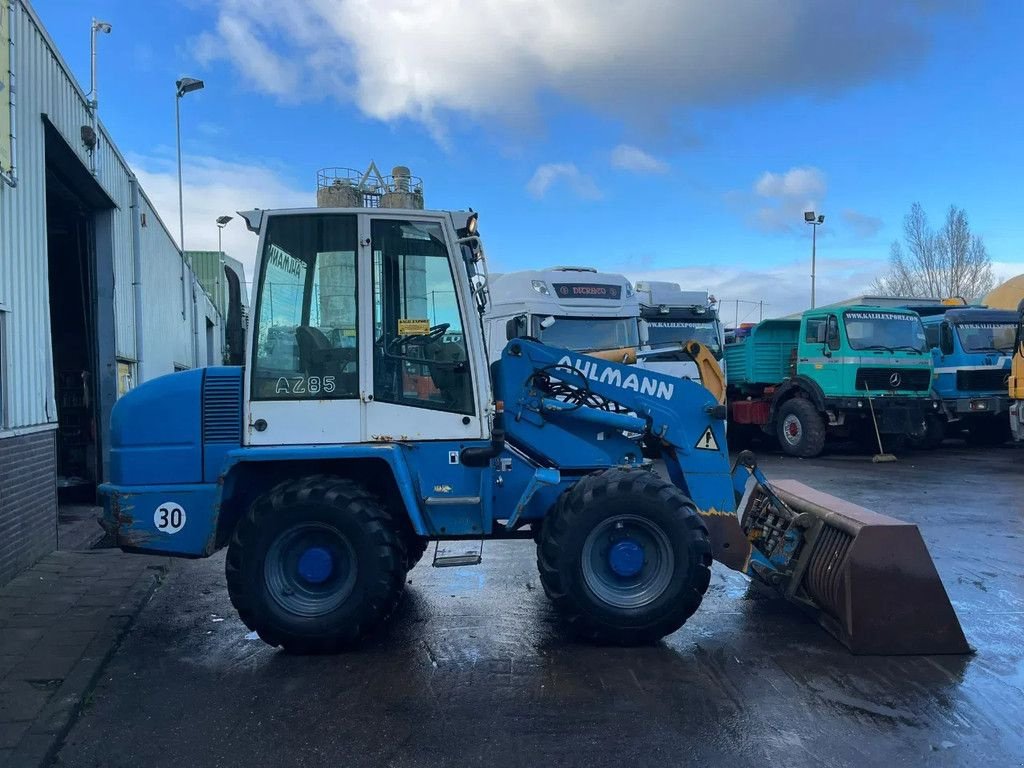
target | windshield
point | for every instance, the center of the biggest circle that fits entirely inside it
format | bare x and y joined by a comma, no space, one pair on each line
588,333
889,331
661,334
986,337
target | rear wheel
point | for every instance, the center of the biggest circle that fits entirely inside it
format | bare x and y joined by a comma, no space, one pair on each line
315,565
625,557
800,428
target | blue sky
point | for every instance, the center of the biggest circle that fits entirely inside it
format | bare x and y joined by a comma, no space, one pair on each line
673,140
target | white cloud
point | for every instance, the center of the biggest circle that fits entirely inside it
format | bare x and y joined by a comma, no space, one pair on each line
626,157
422,60
863,225
213,188
782,198
550,174
784,288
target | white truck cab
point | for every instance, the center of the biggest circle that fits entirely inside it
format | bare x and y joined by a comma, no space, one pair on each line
670,315
577,308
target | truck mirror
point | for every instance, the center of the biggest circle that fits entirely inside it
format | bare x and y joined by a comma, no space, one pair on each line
946,339
821,333
832,332
515,327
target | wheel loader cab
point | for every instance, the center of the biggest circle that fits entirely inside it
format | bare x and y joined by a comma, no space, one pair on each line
364,329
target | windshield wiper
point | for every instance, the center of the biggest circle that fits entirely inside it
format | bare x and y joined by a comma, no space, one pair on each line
878,346
909,348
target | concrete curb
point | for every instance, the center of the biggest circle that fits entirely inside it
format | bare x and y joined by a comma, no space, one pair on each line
39,744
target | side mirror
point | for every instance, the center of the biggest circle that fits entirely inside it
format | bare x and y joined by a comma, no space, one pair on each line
515,327
821,334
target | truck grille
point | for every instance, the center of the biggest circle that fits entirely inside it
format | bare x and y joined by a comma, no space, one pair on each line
985,380
222,408
915,379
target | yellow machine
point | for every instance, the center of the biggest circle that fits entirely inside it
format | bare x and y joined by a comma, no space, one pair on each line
1016,381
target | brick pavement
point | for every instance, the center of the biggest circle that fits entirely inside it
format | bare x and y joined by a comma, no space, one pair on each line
60,621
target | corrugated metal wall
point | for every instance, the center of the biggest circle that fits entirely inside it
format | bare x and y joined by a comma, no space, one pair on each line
167,337
44,87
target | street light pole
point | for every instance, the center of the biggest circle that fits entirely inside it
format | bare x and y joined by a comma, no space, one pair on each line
815,221
222,221
183,86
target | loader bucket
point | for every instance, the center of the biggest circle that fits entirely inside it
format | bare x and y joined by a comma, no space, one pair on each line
868,576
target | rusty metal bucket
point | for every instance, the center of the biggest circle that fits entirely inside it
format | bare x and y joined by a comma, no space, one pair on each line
867,577
872,578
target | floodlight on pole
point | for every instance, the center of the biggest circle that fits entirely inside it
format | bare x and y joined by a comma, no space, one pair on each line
815,220
182,86
222,221
105,28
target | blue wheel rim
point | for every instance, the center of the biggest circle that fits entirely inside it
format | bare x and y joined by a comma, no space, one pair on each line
627,561
310,569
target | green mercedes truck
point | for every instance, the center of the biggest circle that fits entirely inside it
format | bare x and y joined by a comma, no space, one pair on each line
832,373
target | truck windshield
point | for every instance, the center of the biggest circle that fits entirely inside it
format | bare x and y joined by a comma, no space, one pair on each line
661,334
986,337
889,331
580,333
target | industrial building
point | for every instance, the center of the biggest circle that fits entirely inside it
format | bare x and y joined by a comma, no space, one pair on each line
94,293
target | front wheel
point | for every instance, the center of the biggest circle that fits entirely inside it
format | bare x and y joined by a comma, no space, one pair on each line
315,565
988,431
800,428
624,557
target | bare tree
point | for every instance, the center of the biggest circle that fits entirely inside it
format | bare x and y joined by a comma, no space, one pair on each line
936,264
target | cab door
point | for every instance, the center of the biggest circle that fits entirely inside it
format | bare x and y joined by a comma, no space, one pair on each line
306,344
819,361
423,385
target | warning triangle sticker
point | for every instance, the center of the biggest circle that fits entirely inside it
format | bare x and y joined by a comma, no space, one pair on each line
707,441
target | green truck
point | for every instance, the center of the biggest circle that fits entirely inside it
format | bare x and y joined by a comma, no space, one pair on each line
820,376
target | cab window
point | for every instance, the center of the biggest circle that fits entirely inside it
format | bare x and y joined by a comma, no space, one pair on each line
419,347
815,330
306,342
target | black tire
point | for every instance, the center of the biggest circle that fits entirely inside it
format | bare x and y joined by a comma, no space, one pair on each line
365,565
800,429
934,433
989,431
572,531
415,546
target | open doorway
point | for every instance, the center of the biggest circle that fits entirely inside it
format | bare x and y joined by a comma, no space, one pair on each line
70,233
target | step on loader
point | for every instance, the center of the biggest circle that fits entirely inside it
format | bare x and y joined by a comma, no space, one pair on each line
368,423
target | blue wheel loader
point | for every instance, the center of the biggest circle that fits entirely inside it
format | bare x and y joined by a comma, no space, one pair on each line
367,423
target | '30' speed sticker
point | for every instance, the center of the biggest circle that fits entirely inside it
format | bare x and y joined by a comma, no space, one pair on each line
169,517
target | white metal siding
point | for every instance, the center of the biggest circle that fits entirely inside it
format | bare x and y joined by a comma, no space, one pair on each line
44,87
168,338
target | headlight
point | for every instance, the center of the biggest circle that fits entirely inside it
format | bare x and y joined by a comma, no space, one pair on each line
540,287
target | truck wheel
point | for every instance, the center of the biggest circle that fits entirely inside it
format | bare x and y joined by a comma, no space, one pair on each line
988,431
934,433
624,557
315,565
800,429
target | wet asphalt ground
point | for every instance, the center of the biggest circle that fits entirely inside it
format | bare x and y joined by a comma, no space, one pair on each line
474,670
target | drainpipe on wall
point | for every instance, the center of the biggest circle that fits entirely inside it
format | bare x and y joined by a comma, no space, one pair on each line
137,283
